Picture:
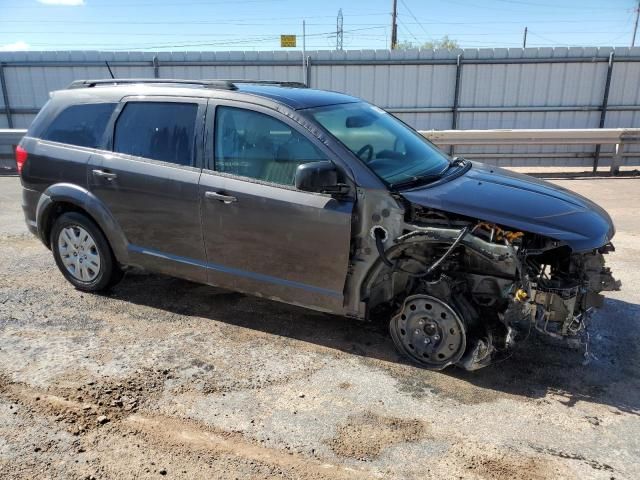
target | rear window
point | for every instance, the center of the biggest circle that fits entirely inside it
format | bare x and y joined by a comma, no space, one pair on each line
158,130
81,125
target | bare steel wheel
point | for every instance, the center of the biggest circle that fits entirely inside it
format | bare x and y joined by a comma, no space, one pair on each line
429,332
83,253
79,253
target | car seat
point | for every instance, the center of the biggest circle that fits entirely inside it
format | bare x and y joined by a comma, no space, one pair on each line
295,151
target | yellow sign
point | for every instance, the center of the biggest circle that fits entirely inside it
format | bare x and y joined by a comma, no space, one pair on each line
287,41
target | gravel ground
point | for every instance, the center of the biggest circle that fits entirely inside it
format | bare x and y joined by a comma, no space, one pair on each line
166,378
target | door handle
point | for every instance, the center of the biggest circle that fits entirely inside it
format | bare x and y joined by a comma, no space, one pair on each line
227,199
103,174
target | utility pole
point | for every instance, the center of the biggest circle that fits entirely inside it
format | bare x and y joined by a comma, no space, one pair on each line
304,52
524,40
394,25
635,28
339,31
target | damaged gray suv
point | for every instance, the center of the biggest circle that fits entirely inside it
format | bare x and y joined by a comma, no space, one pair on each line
312,198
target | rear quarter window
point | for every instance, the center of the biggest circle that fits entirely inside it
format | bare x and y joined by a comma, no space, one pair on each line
157,130
81,125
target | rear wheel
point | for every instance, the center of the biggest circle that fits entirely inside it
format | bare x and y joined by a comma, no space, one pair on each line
83,254
428,332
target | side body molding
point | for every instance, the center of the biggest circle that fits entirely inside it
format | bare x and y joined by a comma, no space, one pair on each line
84,199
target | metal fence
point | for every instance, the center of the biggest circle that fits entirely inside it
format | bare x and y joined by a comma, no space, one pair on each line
620,138
475,89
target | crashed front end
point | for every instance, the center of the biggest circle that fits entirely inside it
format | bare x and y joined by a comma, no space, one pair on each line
483,260
476,289
565,288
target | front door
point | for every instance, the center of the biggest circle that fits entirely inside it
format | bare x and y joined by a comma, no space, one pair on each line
262,235
149,183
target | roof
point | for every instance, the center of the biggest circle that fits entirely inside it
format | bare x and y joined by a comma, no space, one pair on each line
292,94
297,98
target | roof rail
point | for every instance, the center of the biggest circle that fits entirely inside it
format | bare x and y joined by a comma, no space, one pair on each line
221,84
268,82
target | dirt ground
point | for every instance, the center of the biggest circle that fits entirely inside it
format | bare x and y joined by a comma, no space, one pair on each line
166,378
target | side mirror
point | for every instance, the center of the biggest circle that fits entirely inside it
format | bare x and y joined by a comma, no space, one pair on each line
320,177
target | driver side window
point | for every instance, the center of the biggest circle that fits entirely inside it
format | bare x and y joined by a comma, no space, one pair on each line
255,145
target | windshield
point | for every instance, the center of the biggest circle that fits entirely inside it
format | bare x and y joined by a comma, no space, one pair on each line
395,152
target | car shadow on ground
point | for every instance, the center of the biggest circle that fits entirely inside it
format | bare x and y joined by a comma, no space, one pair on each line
536,368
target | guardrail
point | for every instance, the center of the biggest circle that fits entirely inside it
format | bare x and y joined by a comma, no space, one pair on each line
620,137
9,137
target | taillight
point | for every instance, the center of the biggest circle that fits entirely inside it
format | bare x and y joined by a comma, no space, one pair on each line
21,158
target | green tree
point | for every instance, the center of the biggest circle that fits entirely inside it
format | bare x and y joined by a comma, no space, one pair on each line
444,42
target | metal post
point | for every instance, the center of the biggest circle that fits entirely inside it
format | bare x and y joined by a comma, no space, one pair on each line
603,111
308,72
156,67
617,158
524,39
456,98
5,97
304,53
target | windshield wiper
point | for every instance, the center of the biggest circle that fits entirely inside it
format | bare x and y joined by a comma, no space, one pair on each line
418,180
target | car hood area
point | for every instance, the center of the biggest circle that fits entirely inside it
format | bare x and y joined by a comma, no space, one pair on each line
521,202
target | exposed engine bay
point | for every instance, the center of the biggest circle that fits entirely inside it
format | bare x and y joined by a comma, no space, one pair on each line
464,292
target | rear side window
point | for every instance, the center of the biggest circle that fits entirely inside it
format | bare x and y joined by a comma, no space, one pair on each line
157,130
81,125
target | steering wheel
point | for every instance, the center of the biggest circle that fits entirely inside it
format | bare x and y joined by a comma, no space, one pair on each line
368,149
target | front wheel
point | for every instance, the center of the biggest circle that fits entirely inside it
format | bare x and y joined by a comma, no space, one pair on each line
428,332
83,254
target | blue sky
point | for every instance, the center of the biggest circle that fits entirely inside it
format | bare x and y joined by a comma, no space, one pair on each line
173,25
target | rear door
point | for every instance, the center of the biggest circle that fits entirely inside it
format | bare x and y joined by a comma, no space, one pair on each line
149,182
261,234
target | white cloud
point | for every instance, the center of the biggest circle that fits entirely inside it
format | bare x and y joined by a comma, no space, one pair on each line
68,3
14,47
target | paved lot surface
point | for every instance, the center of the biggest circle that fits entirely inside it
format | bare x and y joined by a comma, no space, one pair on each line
163,377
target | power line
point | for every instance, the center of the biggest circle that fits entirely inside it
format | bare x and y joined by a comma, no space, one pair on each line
635,27
554,42
194,39
241,23
169,22
93,33
238,42
484,6
138,4
549,5
408,31
414,17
